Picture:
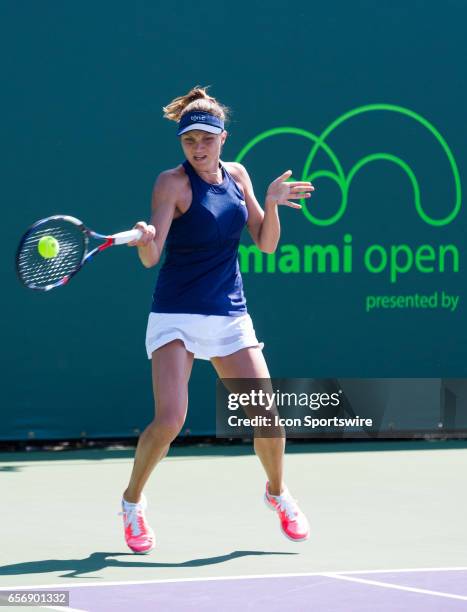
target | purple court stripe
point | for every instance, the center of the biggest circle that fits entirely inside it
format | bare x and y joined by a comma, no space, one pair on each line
276,594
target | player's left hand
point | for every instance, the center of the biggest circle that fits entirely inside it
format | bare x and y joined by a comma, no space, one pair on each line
280,192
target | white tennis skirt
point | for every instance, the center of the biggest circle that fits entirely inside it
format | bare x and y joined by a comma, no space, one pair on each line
204,335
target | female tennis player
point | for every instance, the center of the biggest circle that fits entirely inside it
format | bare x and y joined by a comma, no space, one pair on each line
199,210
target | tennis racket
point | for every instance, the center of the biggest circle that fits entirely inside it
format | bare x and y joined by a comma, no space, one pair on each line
54,249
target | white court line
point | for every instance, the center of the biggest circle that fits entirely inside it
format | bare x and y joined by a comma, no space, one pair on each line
398,587
241,577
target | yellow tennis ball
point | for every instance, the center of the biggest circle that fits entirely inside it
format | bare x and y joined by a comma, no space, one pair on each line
48,247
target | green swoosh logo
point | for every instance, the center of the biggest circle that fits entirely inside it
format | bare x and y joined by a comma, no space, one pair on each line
344,181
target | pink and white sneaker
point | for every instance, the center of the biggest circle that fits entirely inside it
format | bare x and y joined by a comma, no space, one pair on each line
294,523
138,535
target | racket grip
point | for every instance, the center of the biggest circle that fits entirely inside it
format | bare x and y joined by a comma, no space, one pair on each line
125,237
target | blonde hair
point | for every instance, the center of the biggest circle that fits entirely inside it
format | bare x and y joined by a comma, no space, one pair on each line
197,99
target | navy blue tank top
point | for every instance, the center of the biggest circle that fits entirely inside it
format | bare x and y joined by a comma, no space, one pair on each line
200,273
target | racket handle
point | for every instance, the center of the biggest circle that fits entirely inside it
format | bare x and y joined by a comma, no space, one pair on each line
125,237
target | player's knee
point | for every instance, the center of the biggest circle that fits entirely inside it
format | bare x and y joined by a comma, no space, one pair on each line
168,427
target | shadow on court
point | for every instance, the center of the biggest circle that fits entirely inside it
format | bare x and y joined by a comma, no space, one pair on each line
100,560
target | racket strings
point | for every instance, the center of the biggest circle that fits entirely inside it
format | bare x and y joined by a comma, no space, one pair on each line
38,271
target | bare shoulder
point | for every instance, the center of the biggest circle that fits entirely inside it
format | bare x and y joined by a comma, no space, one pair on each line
236,169
173,180
172,191
239,173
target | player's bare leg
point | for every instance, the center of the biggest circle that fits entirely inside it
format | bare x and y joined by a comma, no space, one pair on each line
171,369
250,363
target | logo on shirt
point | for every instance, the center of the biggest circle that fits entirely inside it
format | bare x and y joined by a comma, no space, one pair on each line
242,202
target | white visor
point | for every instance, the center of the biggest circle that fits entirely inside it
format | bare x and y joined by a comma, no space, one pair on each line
203,127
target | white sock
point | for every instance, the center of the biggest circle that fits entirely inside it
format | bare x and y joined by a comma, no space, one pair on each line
277,496
129,504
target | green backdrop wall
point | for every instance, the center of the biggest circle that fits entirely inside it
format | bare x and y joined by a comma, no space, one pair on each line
83,134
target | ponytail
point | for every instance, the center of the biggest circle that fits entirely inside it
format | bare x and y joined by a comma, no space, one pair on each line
197,99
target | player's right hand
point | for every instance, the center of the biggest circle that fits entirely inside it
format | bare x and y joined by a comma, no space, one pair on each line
148,234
